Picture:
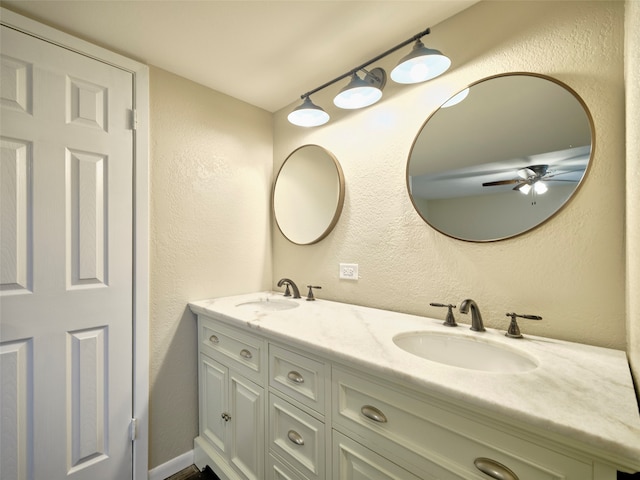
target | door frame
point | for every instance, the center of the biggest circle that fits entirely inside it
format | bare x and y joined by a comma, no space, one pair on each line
140,73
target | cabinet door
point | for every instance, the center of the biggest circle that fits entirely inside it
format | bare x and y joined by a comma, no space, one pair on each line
246,448
213,402
352,461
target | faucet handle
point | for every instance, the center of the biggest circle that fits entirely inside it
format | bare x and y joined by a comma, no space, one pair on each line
450,321
514,330
310,296
287,292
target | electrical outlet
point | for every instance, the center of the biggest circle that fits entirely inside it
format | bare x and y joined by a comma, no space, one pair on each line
349,271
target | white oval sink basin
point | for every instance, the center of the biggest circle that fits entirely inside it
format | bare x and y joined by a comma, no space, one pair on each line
268,304
465,352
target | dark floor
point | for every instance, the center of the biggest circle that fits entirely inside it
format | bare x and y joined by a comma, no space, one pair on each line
628,476
192,473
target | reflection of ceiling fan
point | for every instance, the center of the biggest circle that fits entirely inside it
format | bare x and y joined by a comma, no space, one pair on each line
531,180
531,177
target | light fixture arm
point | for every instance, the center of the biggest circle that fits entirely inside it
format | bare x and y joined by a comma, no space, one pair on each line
416,37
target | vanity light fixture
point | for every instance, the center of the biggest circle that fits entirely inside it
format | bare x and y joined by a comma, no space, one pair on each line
418,66
308,114
362,92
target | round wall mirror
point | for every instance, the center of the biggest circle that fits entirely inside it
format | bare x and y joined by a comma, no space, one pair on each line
308,195
501,157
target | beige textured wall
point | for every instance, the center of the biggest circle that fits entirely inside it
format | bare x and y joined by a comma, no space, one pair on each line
570,270
632,82
211,164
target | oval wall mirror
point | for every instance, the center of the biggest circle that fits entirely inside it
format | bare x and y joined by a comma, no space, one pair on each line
308,195
501,157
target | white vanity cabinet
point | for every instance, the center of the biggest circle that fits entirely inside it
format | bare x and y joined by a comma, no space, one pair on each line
232,401
298,395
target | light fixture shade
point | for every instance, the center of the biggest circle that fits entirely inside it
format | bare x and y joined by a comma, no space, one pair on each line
357,94
308,114
420,65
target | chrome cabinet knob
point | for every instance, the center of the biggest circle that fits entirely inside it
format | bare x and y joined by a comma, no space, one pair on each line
214,339
226,417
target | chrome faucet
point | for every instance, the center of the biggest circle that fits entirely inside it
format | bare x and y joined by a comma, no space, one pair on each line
289,283
476,318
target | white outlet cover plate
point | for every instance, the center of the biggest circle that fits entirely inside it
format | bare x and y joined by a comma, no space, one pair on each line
349,271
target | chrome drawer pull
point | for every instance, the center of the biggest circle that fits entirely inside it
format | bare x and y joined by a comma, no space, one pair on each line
214,339
295,437
494,469
226,417
374,414
295,377
244,353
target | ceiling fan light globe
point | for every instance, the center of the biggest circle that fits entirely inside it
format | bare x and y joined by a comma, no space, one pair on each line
540,188
525,189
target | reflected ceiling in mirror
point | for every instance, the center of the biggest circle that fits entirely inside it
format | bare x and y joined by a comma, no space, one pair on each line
308,195
501,160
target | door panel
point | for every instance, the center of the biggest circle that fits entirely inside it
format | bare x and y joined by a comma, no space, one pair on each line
213,402
66,263
15,211
17,398
247,421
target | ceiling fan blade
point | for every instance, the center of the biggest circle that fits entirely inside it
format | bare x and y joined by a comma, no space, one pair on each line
500,182
564,172
519,186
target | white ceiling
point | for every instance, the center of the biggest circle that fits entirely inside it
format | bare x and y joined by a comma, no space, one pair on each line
266,53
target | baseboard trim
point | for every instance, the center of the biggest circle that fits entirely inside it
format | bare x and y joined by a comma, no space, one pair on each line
171,467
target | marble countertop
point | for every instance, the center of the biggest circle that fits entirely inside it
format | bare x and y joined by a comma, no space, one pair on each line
583,393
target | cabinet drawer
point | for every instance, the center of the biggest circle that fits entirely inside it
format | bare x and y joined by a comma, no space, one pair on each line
352,461
297,437
277,470
234,348
424,433
297,376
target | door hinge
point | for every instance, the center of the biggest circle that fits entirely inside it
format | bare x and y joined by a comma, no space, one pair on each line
134,119
133,429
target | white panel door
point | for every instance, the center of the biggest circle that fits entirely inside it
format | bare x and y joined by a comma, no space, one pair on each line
65,264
